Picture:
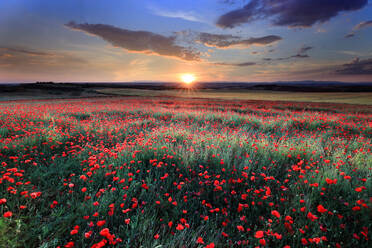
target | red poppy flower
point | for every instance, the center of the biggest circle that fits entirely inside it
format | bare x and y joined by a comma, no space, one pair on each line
211,245
180,227
275,213
259,234
321,209
200,240
240,228
8,214
101,222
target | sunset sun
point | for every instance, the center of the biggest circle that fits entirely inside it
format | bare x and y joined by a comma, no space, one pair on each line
187,78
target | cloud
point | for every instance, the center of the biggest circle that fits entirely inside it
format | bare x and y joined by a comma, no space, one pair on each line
24,51
356,67
301,56
302,53
304,49
185,15
361,25
236,64
223,41
138,41
216,40
26,59
181,45
350,35
291,13
231,2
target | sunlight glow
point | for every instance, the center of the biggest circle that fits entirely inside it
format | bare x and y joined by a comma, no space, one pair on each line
188,78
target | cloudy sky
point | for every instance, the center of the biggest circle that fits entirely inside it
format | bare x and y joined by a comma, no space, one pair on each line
217,40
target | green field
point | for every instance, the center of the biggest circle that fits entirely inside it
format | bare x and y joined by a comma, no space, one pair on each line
328,97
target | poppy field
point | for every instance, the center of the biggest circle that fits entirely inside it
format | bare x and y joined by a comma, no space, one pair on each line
157,172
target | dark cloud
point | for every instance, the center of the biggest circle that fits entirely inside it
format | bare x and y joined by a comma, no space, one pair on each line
356,67
363,25
226,41
238,16
138,41
236,64
291,13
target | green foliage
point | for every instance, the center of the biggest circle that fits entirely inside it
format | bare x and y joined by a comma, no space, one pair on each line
11,232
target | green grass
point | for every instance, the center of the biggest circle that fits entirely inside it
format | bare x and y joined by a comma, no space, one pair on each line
11,233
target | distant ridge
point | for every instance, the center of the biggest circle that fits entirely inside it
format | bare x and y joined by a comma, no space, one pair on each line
293,86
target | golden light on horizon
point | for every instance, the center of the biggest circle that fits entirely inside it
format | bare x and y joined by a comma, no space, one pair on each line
188,78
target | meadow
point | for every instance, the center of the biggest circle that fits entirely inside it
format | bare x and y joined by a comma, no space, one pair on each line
358,98
157,172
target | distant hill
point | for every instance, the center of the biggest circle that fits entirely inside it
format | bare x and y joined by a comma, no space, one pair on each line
298,86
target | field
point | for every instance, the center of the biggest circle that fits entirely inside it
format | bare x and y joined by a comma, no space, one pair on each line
231,94
179,172
295,92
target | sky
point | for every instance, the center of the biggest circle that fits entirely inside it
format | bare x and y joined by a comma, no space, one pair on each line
215,40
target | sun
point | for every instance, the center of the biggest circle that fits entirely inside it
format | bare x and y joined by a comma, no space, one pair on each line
188,78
